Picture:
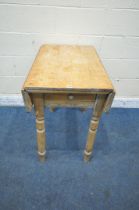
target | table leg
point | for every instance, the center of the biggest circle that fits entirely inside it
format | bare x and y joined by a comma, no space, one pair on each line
40,124
98,109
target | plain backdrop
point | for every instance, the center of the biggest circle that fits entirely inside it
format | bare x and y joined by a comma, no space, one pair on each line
112,26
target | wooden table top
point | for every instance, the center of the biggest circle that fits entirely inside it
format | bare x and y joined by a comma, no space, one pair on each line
68,67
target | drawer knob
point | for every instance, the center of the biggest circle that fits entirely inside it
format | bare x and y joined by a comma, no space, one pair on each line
71,97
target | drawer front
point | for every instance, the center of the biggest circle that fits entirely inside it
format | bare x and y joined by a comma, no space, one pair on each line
79,100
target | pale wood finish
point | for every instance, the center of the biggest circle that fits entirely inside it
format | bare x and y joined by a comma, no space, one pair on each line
40,125
67,76
68,67
27,100
98,109
109,101
69,100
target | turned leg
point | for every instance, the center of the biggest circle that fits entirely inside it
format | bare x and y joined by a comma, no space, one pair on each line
40,124
98,109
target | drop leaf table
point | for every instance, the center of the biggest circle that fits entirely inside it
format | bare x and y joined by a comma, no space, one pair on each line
67,76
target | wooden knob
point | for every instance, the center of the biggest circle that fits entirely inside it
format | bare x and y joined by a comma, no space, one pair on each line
71,97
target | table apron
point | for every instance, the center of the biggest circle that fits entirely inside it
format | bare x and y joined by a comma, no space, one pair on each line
69,100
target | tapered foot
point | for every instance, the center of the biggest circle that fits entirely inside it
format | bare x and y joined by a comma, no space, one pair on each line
42,156
87,156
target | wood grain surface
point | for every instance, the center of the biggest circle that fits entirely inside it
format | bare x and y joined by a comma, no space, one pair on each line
65,67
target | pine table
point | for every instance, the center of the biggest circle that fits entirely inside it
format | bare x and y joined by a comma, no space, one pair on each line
67,76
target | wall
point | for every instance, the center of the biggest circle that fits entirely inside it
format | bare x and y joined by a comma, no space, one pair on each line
112,26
